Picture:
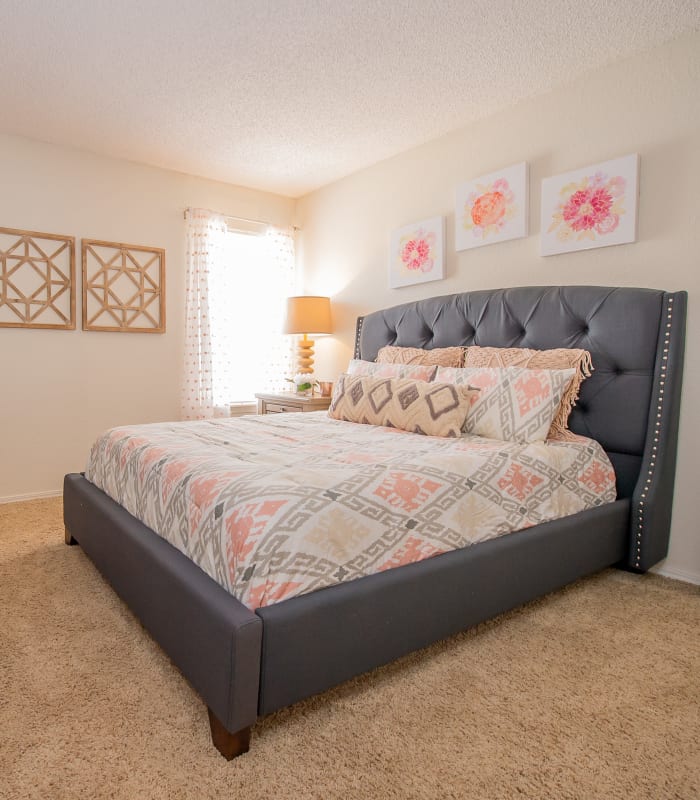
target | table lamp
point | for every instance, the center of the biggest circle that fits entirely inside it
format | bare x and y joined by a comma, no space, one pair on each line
307,314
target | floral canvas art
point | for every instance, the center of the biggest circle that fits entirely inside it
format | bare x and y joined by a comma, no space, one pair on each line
492,208
417,253
591,207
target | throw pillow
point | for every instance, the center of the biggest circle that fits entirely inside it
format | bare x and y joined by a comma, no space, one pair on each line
371,369
558,358
439,356
433,409
513,404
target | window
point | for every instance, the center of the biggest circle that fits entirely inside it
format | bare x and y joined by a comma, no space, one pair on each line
248,290
237,285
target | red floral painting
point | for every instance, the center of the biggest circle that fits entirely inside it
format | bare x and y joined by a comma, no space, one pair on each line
593,207
492,208
489,208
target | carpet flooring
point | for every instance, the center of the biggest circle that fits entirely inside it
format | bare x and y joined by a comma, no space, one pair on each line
590,692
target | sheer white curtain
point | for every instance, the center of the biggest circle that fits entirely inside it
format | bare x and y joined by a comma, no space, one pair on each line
237,289
206,235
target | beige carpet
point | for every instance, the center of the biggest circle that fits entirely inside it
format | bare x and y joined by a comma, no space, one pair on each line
592,692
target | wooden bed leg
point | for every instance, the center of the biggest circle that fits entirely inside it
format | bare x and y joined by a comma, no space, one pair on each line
228,744
69,539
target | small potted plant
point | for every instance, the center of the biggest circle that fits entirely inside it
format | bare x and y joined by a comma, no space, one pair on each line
303,384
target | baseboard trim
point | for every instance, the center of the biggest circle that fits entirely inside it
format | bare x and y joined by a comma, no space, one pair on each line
678,574
18,498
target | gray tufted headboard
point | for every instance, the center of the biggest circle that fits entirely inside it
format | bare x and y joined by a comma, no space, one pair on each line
631,402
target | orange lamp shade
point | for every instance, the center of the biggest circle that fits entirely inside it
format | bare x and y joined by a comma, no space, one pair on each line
308,314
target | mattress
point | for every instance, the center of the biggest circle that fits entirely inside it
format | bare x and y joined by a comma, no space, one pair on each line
276,506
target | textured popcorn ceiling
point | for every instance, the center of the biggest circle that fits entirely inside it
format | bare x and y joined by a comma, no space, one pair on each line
288,95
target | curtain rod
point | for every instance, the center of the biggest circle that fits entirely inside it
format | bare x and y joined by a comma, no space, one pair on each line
241,219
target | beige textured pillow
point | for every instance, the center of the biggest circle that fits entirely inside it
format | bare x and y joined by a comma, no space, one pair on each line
416,372
433,409
438,357
559,358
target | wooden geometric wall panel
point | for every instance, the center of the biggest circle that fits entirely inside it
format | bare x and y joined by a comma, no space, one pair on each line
37,280
123,287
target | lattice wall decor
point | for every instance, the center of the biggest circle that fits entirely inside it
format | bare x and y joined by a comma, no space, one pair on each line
37,280
123,287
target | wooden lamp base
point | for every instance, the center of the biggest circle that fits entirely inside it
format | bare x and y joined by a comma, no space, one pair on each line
305,355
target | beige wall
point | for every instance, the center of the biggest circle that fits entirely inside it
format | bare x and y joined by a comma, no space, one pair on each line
59,389
649,105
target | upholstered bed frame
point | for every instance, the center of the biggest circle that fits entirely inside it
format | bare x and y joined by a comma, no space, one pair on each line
246,663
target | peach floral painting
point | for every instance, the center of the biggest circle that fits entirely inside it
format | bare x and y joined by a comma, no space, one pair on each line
591,207
416,253
492,208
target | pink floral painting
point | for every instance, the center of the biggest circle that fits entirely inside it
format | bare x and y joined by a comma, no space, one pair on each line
591,207
492,208
417,253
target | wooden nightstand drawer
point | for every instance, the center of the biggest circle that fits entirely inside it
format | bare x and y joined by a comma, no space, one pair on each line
290,403
277,408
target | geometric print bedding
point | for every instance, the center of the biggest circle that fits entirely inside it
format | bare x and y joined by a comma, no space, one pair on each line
276,506
513,404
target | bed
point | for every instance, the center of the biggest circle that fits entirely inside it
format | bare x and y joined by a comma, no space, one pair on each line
248,663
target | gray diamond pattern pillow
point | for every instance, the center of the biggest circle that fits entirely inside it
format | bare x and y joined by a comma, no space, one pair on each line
433,409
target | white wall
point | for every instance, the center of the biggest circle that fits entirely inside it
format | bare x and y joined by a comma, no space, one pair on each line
650,105
59,389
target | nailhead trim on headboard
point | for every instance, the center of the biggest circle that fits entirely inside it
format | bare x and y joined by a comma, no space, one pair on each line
358,331
657,431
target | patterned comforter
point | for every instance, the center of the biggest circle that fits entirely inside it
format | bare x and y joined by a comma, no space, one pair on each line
277,506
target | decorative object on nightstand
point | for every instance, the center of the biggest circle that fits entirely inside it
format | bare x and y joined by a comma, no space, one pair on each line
307,314
303,383
286,402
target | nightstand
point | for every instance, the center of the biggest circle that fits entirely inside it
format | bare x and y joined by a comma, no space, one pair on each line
286,402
